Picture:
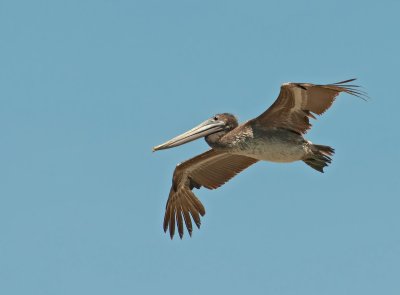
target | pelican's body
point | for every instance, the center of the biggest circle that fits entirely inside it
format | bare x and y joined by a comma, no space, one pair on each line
275,136
273,145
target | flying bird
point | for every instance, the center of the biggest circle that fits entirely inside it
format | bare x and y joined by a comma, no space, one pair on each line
276,136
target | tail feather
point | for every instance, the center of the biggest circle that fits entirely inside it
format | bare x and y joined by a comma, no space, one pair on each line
320,158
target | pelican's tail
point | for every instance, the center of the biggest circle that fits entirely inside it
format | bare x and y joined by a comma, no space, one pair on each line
320,158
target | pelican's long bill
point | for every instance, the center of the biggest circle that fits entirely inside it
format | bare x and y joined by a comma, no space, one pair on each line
207,127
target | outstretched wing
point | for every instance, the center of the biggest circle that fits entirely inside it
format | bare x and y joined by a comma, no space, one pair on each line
211,170
297,102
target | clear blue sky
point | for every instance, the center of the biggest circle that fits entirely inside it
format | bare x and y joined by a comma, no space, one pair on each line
88,87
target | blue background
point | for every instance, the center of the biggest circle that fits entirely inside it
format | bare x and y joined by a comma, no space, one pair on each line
88,87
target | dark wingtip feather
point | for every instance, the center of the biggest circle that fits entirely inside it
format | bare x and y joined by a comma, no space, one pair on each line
188,222
166,219
345,81
196,218
172,225
350,89
198,205
360,94
179,223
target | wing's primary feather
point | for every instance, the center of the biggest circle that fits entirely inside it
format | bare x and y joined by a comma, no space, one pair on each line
211,170
297,102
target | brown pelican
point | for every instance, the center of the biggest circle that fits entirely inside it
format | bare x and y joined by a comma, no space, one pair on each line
276,135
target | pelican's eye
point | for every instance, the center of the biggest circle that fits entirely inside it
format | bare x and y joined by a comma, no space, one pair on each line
215,118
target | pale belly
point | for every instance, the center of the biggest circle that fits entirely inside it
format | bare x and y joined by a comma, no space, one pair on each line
275,152
274,146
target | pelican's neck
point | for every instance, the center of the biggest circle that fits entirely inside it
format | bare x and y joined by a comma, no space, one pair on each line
214,140
233,139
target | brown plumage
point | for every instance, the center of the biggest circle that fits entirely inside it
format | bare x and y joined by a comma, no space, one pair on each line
211,170
297,102
276,135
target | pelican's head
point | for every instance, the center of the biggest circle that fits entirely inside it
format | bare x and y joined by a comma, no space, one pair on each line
212,129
